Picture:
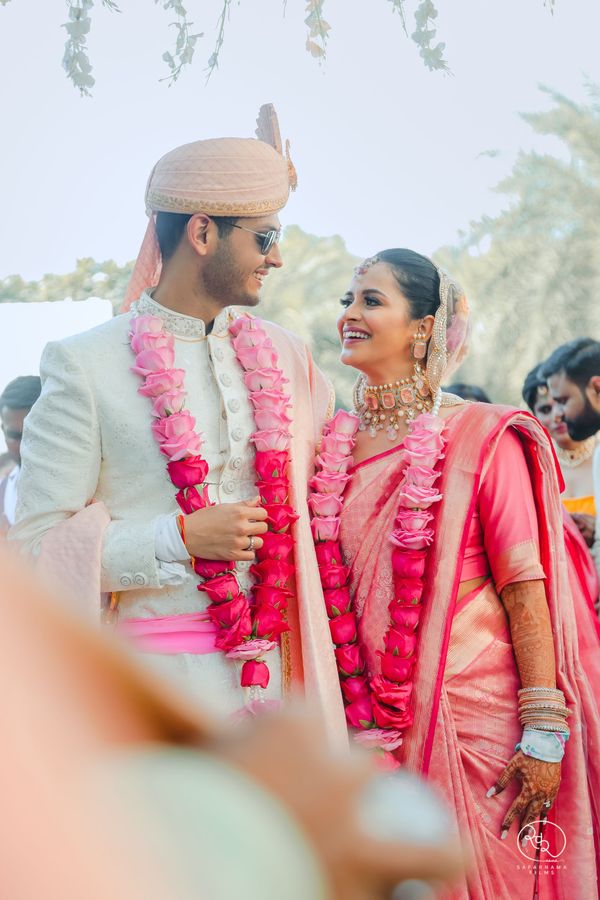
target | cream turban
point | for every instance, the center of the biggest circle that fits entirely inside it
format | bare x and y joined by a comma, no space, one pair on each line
220,177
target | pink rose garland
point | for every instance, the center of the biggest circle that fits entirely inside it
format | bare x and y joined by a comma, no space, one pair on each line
379,706
248,627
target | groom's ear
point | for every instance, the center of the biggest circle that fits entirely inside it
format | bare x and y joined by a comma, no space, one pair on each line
201,233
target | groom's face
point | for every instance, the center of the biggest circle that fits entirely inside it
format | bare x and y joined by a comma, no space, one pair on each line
580,416
235,272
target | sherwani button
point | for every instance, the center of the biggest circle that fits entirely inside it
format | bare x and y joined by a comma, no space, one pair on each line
140,578
225,379
234,405
229,487
237,434
218,354
126,580
236,462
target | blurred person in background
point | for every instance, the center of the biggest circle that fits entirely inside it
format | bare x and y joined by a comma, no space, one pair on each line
114,787
16,401
468,392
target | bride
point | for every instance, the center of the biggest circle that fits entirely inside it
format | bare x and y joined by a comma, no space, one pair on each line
438,532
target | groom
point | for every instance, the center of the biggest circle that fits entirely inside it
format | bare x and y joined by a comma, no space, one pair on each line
211,241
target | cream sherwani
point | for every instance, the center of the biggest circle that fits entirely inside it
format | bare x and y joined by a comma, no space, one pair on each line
88,437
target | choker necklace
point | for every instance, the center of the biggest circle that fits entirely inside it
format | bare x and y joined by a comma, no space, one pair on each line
570,459
386,405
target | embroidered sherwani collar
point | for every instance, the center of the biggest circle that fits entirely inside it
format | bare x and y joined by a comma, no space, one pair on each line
178,324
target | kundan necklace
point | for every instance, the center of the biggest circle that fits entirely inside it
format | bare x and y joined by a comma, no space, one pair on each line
386,405
570,459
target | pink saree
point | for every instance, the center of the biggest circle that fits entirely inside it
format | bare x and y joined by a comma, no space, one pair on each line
466,724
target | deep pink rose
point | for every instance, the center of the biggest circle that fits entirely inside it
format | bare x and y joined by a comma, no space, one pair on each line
190,499
334,576
413,519
269,621
388,717
272,571
391,693
146,323
344,423
188,472
274,439
222,588
255,672
337,601
337,444
271,420
395,668
408,563
168,403
326,528
149,361
231,637
257,357
408,590
412,540
412,495
161,382
405,617
349,660
359,714
280,516
275,546
354,688
275,400
264,379
400,643
325,504
226,614
343,628
329,482
421,476
270,464
329,553
149,341
275,491
268,594
211,568
334,462
254,337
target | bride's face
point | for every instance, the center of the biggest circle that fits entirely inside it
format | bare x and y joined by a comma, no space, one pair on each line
375,327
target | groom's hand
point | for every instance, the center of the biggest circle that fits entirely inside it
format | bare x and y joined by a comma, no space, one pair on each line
224,531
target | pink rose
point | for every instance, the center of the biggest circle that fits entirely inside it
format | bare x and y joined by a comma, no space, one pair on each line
269,622
334,462
169,427
269,595
400,643
273,439
222,588
395,668
325,504
227,614
149,361
326,528
340,444
275,546
147,323
392,694
337,601
257,357
421,476
190,499
408,590
277,400
251,649
359,714
168,403
329,553
273,572
388,717
412,495
271,464
254,337
344,423
349,660
149,341
275,491
408,563
334,576
160,382
412,540
231,637
188,472
189,444
422,460
255,672
343,628
329,482
413,519
211,568
423,441
354,688
404,617
245,322
382,738
268,379
271,420
280,516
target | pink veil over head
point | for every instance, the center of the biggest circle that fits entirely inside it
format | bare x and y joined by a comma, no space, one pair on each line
449,344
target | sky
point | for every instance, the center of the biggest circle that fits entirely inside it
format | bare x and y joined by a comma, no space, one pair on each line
387,152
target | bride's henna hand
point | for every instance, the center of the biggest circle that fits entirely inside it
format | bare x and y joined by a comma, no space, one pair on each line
539,786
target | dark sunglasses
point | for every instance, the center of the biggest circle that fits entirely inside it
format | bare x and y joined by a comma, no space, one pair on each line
268,239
